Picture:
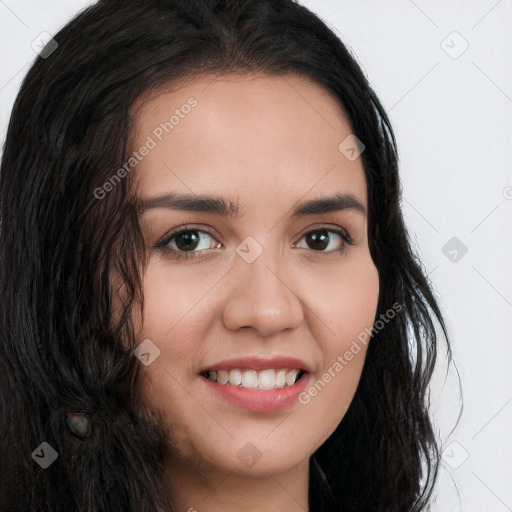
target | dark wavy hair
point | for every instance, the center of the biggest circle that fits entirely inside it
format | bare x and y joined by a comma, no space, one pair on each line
63,349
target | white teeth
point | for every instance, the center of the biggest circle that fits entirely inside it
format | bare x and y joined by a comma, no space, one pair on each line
222,377
291,376
281,379
252,379
235,377
266,379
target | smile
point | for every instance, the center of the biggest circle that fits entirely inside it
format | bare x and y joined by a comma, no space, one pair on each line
251,379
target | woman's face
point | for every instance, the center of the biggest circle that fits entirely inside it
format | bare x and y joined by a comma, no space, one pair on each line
270,286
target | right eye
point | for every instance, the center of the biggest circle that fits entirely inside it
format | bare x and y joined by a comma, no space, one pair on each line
181,242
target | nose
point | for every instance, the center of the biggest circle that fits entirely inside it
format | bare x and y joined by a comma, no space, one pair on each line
262,298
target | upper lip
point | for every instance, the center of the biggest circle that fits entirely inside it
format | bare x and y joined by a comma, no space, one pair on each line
259,363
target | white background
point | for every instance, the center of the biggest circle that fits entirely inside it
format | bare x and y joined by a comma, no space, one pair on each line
451,109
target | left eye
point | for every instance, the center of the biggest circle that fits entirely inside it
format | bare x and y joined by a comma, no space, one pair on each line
184,241
320,239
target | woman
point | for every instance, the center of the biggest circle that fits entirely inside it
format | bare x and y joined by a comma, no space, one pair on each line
209,299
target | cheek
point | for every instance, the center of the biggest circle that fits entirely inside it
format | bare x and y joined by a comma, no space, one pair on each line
173,320
360,295
172,296
351,306
353,318
348,302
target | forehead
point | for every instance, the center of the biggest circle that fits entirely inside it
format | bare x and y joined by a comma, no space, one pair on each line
260,138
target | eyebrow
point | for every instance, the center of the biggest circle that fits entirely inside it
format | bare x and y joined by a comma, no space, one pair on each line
226,208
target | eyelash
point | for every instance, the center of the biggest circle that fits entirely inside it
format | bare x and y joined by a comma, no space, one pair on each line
195,254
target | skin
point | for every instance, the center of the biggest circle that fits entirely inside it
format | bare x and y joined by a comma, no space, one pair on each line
268,143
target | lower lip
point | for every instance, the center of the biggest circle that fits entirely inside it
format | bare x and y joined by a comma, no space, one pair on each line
263,401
